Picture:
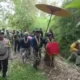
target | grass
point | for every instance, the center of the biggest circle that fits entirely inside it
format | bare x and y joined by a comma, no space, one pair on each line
19,71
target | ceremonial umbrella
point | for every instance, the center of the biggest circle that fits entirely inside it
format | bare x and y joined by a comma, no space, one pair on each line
53,10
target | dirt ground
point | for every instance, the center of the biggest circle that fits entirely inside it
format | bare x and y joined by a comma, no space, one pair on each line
62,70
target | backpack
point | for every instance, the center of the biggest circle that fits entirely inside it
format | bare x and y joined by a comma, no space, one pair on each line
3,49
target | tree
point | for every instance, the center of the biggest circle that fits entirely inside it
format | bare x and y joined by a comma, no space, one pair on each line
24,16
5,12
65,29
2,0
74,4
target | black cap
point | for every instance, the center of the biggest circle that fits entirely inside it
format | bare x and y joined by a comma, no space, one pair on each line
49,34
37,30
1,32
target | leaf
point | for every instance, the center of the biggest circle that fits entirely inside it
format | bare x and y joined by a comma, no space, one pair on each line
74,4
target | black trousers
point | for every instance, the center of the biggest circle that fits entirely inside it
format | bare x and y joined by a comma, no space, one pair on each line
16,46
37,57
4,65
49,60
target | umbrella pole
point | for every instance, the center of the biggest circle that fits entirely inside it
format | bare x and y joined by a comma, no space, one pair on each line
49,23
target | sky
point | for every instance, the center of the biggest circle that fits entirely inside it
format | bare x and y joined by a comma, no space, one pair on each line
8,6
59,2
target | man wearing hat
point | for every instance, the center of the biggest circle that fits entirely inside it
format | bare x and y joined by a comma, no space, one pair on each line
41,32
37,44
25,44
16,41
4,53
47,59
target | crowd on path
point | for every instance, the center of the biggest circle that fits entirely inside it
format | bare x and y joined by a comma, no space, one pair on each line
24,42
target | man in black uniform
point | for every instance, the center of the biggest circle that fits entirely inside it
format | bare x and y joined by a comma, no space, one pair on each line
37,44
16,42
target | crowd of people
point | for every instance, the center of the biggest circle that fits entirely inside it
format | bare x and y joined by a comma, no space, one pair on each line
19,42
25,42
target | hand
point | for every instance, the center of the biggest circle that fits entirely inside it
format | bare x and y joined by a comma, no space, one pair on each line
37,49
11,59
78,52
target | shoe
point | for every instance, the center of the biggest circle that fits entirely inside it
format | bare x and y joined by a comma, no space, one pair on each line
4,75
0,69
78,65
35,67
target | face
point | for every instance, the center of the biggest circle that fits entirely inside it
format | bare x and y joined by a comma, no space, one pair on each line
7,31
17,32
13,31
1,36
25,37
79,45
50,37
37,34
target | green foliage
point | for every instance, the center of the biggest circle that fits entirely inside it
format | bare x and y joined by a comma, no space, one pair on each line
74,4
4,14
24,16
40,22
2,24
66,30
19,71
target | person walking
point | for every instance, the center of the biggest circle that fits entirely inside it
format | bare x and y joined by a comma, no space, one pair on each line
4,54
37,44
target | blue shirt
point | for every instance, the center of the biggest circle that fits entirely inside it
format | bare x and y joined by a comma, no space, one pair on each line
25,45
34,43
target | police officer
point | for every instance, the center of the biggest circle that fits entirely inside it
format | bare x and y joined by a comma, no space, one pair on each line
4,53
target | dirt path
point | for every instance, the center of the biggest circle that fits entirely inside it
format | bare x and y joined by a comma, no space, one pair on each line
61,71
